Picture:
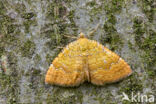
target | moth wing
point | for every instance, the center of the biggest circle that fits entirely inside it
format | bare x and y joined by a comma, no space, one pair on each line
67,68
105,66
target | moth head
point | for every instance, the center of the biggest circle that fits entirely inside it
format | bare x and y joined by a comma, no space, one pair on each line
81,35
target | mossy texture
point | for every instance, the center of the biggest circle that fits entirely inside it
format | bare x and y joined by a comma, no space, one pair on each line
27,49
32,33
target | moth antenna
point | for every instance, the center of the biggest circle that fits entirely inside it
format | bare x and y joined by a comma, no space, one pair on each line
59,47
69,36
90,34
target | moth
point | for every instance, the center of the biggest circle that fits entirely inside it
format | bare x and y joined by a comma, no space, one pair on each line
86,60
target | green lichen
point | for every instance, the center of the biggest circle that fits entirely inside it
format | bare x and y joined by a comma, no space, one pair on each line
91,3
12,61
37,59
2,8
35,78
35,72
49,58
148,8
95,8
9,88
27,23
111,8
146,44
65,96
28,15
11,28
132,84
2,50
131,46
20,8
57,41
50,11
114,6
29,20
9,82
8,33
57,12
6,22
139,30
28,49
112,36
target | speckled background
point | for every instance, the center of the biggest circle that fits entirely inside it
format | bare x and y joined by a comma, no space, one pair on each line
32,33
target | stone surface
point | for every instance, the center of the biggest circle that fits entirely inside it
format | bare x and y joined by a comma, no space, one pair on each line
32,33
